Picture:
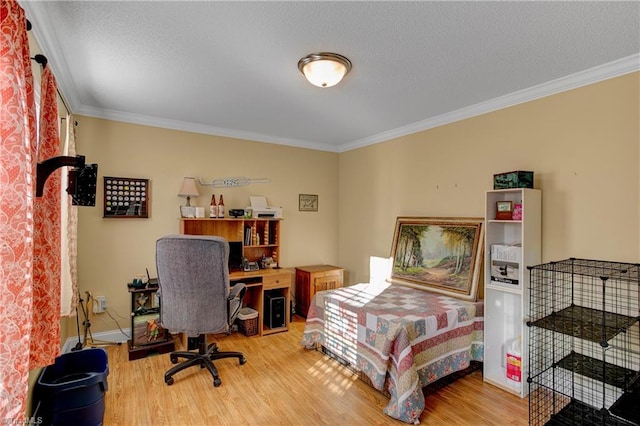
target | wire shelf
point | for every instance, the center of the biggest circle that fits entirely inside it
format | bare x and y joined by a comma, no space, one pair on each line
584,343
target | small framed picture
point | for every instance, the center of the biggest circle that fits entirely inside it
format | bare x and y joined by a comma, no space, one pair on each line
307,203
504,210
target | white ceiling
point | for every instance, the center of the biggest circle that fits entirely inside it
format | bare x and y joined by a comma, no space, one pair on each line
230,68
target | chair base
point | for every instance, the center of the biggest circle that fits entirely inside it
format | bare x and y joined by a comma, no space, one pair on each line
204,358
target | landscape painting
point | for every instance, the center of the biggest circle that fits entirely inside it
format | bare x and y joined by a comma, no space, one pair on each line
443,255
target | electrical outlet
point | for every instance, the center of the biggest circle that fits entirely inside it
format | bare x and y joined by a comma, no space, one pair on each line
100,304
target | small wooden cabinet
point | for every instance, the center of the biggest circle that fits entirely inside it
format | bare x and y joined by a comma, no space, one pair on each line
314,278
147,336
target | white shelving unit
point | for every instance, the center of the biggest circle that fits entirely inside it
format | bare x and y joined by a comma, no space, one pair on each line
507,303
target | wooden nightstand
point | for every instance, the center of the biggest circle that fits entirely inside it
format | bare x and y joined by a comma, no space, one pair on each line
314,278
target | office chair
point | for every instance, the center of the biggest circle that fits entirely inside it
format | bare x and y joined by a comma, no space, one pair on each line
193,279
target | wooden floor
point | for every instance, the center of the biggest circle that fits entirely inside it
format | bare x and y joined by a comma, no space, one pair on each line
283,384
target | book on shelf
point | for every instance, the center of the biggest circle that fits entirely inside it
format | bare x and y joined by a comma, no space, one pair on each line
505,263
272,232
247,235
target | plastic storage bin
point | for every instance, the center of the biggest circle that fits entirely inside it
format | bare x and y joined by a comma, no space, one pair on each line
248,321
71,391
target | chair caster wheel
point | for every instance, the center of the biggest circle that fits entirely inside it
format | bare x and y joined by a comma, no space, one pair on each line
169,381
243,361
174,359
217,382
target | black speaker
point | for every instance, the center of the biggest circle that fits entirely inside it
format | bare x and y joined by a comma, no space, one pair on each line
274,310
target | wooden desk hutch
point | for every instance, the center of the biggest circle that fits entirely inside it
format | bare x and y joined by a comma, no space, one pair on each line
263,238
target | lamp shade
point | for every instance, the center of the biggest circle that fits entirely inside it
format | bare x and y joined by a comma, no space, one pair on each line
324,69
189,189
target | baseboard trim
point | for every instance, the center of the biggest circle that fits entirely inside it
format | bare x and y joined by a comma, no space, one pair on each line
103,338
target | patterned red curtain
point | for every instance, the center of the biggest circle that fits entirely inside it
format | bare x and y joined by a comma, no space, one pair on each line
17,189
45,336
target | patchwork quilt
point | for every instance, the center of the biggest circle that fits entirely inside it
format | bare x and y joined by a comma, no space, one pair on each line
400,337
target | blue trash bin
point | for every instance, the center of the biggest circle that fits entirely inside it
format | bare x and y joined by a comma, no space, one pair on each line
71,391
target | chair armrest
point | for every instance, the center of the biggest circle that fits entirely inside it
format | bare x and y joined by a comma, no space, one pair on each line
237,291
234,301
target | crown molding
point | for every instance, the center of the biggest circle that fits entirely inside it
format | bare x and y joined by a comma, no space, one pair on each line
603,72
607,71
186,126
42,33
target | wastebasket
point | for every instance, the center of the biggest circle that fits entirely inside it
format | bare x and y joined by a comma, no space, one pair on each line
248,321
71,391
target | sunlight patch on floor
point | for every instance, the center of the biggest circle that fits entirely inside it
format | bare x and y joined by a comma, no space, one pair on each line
332,375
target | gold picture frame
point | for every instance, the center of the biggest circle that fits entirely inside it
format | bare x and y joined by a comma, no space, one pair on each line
307,203
439,254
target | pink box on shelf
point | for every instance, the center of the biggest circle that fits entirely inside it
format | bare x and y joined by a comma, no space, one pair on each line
517,212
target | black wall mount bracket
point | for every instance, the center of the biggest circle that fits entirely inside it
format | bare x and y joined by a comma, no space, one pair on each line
82,178
47,167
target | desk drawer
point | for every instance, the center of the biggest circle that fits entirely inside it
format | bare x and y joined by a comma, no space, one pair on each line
333,273
276,281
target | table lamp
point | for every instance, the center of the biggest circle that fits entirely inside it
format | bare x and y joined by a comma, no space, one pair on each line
188,189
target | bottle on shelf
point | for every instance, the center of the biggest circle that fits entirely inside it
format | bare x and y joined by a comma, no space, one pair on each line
514,361
221,207
213,208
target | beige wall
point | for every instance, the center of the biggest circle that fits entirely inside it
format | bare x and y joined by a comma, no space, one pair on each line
112,251
583,146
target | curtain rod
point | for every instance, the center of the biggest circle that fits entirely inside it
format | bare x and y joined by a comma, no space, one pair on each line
42,60
64,102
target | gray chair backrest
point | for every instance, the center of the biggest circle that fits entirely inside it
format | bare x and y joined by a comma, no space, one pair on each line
193,276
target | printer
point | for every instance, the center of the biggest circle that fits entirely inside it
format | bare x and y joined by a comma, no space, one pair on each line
260,209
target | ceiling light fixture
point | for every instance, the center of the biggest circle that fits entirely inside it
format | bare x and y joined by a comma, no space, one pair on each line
324,69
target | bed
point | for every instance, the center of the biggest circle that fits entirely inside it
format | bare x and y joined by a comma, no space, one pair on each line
400,338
